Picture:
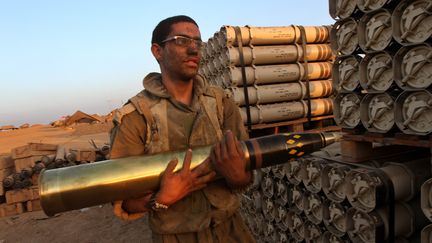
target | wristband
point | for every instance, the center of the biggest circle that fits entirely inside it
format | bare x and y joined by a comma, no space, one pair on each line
155,205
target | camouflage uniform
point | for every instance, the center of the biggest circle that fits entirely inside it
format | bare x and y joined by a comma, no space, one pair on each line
207,215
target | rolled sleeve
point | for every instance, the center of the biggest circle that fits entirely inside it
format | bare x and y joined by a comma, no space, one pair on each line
128,137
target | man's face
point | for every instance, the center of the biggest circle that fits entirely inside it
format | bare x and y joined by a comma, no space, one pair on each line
179,60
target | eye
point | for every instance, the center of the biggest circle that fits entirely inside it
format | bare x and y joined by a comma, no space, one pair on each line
198,43
183,41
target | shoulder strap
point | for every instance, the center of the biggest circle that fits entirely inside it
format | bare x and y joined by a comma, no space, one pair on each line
139,102
119,113
219,94
217,121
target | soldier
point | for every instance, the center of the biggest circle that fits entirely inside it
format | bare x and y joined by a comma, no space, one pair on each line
177,110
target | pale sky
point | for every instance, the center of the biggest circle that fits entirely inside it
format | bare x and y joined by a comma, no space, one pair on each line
57,57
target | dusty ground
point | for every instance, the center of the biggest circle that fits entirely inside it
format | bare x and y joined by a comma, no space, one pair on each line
96,224
77,137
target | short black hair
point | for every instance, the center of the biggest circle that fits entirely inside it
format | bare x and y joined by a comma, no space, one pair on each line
162,30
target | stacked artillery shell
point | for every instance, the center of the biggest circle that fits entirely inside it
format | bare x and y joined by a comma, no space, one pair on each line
70,157
269,72
63,157
383,80
319,200
383,50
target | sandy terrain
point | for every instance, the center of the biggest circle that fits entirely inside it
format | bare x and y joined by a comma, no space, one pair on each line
96,224
77,137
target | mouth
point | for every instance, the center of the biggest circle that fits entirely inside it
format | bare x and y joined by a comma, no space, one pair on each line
193,62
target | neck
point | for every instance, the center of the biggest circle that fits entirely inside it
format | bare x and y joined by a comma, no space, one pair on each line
180,90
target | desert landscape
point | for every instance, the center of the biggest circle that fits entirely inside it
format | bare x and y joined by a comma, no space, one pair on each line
95,224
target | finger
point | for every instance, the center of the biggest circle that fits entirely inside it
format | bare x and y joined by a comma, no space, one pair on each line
205,179
216,154
208,165
198,187
223,147
203,168
239,149
187,161
212,156
171,166
147,196
231,143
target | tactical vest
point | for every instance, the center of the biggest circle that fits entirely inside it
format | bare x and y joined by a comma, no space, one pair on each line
204,208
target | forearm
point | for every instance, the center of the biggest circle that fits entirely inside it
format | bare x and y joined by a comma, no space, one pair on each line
136,205
242,182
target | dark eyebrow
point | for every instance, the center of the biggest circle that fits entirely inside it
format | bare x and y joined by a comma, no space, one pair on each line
190,37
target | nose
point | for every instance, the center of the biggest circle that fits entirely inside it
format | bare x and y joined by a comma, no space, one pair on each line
193,48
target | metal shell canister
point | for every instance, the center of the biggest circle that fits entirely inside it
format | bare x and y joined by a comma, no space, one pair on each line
92,184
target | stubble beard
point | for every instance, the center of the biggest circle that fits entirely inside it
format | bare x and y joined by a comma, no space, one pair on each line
186,77
180,71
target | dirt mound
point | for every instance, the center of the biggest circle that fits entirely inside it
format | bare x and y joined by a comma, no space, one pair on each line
85,129
54,135
95,224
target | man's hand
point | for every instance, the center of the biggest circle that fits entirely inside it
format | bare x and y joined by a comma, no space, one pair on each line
228,160
137,205
176,185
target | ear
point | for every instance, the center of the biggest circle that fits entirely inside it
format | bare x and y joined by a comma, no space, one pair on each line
157,50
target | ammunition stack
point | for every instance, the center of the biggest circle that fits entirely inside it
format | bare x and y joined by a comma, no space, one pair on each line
276,74
382,76
383,69
375,186
19,172
322,198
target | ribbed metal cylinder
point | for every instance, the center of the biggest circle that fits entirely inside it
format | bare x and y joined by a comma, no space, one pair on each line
313,207
426,198
372,5
347,110
377,112
287,111
335,218
411,21
412,67
366,190
374,226
341,9
275,54
293,172
273,93
343,36
281,73
273,35
426,234
346,73
333,181
413,112
375,30
296,225
375,72
311,169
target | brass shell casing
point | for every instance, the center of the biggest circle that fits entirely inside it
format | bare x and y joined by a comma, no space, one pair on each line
107,181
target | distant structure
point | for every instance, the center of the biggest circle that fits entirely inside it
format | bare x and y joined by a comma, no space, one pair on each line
81,117
7,128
